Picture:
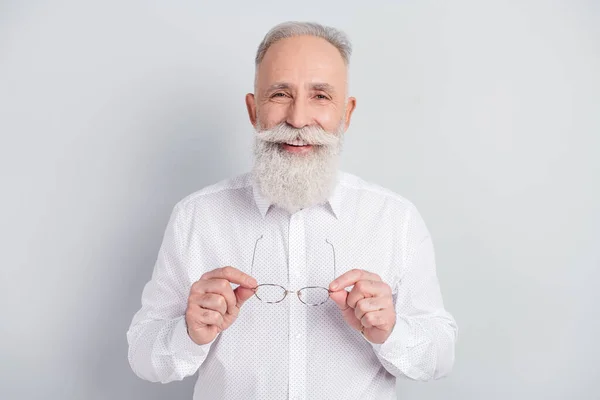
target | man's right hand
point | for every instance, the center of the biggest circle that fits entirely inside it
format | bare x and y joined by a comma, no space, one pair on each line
213,305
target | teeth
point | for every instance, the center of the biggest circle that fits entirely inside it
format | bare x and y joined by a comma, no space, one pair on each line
297,142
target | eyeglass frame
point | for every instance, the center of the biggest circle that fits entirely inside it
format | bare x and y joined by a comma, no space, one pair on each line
286,291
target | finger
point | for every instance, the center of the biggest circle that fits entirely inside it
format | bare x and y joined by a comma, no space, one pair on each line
193,326
217,286
370,304
351,277
208,317
363,289
192,319
233,275
374,319
210,301
242,294
339,298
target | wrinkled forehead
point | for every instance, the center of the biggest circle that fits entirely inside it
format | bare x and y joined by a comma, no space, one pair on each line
302,61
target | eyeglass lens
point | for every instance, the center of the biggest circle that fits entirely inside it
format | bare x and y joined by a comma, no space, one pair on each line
273,293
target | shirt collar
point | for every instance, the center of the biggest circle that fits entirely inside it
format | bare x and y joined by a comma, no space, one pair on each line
334,201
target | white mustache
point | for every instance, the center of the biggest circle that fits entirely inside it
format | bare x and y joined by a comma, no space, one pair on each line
312,135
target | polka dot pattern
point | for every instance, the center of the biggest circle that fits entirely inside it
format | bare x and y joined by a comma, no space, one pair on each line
289,350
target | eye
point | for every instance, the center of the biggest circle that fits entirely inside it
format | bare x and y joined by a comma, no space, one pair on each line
279,94
322,97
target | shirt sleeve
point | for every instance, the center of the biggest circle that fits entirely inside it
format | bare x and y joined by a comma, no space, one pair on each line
421,345
160,349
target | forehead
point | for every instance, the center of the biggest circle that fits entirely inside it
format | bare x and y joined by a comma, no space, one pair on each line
300,60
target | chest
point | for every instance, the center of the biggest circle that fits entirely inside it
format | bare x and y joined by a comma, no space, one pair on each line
308,248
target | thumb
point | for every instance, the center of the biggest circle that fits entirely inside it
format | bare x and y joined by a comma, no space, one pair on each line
339,298
242,294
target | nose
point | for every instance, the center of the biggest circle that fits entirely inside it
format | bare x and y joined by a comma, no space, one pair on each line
297,115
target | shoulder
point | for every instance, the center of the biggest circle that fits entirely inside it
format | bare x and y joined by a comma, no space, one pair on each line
218,192
374,193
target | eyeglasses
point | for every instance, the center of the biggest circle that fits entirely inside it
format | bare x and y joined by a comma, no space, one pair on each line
309,295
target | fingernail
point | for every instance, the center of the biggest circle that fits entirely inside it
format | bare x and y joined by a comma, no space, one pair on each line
334,286
251,281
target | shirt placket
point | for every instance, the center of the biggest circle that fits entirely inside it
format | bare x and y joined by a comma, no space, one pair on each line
297,309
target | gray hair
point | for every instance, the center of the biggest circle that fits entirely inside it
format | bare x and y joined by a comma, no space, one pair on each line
294,28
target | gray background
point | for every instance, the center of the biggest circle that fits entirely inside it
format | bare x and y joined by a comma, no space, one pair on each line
484,114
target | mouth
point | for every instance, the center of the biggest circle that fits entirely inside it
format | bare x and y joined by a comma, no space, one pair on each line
296,143
296,146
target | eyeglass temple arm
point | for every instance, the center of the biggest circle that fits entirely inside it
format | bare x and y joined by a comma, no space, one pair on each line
333,249
261,236
254,254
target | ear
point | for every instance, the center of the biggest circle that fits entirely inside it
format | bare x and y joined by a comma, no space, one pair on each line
349,110
251,106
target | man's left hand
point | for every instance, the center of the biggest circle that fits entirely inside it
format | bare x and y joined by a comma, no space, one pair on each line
369,307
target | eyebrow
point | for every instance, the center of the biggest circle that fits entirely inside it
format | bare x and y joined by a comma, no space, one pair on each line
278,86
325,87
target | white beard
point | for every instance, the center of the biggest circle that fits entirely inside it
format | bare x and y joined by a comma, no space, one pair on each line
296,181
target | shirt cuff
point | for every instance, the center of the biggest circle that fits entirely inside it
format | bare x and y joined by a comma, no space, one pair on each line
400,335
182,343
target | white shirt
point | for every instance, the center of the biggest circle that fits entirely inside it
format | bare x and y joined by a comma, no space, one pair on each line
290,350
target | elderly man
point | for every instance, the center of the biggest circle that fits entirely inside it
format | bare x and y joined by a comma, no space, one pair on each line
294,280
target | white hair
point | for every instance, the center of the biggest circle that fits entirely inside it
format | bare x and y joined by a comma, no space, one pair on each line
294,28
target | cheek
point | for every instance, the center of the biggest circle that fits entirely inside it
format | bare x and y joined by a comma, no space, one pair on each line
271,115
328,118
